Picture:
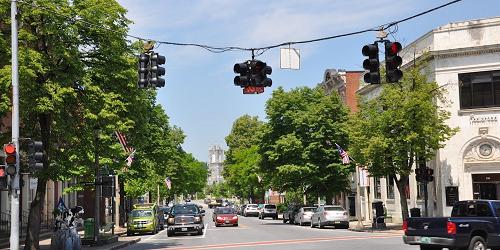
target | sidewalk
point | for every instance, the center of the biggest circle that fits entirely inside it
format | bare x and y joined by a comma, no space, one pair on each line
121,243
367,227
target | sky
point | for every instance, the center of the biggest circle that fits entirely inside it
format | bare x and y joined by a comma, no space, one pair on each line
199,95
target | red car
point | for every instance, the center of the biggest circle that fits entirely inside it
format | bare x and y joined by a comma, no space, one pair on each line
226,216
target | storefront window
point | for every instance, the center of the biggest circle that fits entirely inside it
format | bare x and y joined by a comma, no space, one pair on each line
390,188
378,191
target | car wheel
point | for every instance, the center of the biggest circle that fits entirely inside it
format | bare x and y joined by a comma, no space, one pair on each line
200,231
477,243
312,224
170,233
216,225
235,225
423,247
300,222
275,217
320,225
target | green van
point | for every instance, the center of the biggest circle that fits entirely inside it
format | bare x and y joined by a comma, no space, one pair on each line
143,219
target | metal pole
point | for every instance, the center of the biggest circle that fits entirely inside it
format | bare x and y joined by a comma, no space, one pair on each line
426,197
97,187
14,194
358,201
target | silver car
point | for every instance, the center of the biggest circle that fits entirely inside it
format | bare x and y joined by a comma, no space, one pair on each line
330,216
251,209
304,215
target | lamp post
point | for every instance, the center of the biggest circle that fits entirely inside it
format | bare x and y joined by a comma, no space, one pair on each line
96,185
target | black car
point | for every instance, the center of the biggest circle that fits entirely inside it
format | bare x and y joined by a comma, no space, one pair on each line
185,218
289,214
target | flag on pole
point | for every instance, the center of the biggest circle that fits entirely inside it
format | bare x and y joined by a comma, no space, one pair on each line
130,159
168,182
343,154
123,142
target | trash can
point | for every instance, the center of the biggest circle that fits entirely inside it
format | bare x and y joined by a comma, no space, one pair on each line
88,226
378,215
415,212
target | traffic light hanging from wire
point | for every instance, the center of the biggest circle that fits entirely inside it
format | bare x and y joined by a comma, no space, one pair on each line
371,64
392,62
252,76
150,71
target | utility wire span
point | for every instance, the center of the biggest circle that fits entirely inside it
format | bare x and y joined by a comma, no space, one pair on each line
261,50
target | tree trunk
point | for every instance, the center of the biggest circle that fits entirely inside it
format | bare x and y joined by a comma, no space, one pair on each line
34,218
401,184
329,198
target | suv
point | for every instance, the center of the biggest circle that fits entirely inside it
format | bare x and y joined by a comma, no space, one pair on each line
268,210
143,219
185,218
251,209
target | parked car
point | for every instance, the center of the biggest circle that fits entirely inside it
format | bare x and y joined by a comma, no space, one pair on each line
474,224
251,209
143,219
304,215
290,212
185,218
268,210
226,216
329,215
215,203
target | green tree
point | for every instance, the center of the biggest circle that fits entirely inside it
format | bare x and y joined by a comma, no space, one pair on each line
241,168
298,145
403,124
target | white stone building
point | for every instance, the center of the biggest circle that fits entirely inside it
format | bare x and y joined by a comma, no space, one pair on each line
215,164
465,60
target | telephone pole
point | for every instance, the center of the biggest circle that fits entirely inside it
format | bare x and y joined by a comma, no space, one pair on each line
15,191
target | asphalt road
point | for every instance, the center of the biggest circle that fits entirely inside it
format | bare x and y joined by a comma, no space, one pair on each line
253,233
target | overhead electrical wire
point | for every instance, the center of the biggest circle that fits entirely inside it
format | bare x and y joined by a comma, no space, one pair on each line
260,50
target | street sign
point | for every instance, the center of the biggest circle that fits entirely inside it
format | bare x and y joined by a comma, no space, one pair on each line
253,90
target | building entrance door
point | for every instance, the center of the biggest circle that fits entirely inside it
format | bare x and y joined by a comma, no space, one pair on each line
486,186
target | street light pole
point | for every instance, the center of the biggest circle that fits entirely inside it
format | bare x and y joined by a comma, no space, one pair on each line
97,186
14,194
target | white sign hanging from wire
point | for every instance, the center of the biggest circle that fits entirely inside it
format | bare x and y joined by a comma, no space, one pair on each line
289,58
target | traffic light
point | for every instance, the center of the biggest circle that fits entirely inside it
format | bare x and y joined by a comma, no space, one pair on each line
243,79
392,62
420,174
143,71
35,155
156,71
372,63
260,70
429,174
10,158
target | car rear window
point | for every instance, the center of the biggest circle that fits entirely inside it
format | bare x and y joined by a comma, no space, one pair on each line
270,206
226,211
334,209
308,209
252,206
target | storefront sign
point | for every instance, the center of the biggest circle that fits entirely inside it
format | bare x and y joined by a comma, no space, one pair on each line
482,119
451,195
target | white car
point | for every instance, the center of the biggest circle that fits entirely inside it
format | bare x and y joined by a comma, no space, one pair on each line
268,210
304,215
251,209
329,215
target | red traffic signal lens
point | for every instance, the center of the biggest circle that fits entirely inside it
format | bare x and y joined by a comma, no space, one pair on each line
10,148
395,48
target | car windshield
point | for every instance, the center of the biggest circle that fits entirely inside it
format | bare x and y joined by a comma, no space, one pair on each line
189,209
334,209
226,211
141,213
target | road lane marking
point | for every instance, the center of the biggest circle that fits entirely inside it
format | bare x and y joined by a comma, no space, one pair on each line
205,230
284,242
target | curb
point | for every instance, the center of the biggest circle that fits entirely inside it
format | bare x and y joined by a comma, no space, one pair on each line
125,244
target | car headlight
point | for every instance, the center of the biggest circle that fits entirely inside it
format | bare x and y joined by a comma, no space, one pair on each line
235,217
219,218
197,219
170,220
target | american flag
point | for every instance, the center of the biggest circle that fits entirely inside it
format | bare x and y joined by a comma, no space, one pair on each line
343,154
123,141
168,182
129,150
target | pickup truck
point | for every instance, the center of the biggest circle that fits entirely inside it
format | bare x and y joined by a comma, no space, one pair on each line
185,218
473,225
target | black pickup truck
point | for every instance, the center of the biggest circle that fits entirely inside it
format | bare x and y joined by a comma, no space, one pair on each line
185,218
473,225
